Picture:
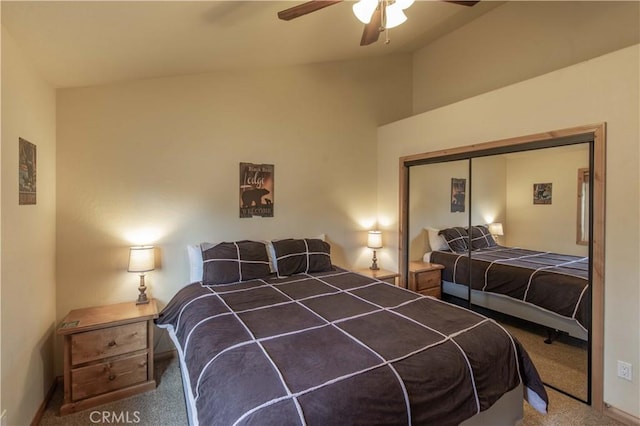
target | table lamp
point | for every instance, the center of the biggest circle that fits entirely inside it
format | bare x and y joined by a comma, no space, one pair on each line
374,241
495,229
141,260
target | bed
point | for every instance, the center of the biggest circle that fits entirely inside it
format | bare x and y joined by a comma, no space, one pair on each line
332,346
546,288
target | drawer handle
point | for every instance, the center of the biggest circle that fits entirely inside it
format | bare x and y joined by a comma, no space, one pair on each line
112,376
112,343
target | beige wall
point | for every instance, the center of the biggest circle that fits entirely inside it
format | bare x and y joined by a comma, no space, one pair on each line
545,227
488,191
517,41
157,162
605,89
28,239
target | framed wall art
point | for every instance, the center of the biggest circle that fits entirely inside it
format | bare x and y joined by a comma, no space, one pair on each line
542,193
458,192
27,161
256,190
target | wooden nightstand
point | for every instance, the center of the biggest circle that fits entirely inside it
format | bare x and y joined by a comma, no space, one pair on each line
425,278
108,354
380,274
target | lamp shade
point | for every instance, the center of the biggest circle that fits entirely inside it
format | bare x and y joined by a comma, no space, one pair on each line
496,229
374,239
395,16
141,259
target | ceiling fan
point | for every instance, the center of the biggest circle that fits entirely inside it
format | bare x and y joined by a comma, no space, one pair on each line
377,15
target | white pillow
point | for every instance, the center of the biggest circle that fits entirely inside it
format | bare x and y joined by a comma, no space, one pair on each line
271,254
195,262
437,242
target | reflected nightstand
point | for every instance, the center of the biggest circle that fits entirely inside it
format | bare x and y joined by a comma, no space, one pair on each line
425,278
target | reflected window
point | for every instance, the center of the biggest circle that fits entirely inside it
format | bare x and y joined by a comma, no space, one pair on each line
582,237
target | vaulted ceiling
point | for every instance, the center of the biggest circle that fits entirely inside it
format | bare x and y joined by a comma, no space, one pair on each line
81,43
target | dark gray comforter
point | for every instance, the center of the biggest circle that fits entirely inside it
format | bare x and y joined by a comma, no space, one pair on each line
556,282
338,348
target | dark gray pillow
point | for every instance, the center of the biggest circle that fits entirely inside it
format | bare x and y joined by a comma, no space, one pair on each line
301,256
481,238
456,238
234,262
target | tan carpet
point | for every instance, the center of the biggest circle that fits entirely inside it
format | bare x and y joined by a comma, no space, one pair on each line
163,406
565,411
562,364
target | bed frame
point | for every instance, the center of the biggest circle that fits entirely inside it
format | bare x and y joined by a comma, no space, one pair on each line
517,308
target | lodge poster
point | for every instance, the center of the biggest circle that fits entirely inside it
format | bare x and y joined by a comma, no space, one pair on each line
256,190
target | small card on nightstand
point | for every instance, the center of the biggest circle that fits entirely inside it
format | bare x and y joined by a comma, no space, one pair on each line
69,324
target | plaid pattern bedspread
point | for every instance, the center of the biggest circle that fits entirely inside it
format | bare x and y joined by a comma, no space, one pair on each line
338,348
556,282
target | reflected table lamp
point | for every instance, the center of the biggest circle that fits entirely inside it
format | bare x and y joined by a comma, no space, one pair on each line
495,229
374,241
141,260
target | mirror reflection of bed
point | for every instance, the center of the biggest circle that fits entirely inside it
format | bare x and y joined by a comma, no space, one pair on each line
534,278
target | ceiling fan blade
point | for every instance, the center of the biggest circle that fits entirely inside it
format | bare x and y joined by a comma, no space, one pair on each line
371,31
463,2
304,8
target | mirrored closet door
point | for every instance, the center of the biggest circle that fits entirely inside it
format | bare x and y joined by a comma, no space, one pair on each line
536,260
523,212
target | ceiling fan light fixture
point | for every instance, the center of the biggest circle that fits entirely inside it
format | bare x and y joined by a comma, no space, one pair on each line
377,15
394,16
364,10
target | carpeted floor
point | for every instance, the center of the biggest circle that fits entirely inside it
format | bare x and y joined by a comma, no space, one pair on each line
566,411
562,364
165,406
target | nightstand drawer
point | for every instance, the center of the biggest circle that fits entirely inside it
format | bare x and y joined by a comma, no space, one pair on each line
101,378
428,280
98,344
434,292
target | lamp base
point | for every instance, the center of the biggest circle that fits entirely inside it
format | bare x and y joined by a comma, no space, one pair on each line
142,297
374,262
